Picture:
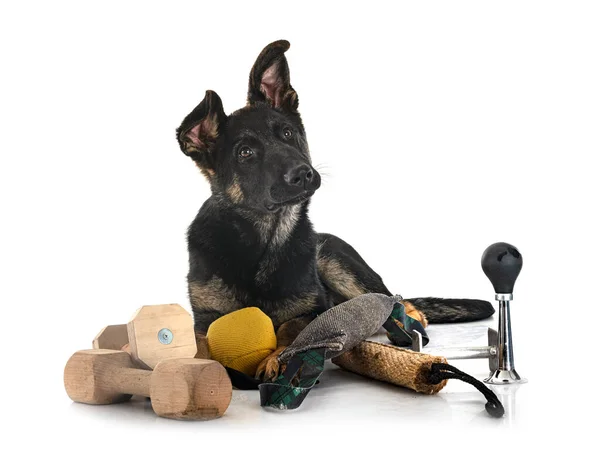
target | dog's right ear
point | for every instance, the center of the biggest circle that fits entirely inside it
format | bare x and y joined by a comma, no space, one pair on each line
199,131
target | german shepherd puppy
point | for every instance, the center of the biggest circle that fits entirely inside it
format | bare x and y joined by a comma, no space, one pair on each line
252,243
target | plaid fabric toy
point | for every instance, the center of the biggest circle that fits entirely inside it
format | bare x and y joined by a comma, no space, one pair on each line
334,332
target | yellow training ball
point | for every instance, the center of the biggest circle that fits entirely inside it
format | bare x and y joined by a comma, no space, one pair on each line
242,339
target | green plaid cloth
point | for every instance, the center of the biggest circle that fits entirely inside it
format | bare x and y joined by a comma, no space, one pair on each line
399,327
289,390
331,334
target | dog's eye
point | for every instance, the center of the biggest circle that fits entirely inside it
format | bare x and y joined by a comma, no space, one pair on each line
246,152
287,133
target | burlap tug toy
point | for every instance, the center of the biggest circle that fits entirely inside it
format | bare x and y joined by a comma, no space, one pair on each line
392,364
339,334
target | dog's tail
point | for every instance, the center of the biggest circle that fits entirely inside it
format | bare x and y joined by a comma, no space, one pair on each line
440,311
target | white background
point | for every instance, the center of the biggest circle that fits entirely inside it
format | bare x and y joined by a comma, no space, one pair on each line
440,128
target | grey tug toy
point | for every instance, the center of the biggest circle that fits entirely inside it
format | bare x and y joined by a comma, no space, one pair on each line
502,263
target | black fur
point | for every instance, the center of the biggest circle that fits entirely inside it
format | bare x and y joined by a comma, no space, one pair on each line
224,243
252,243
439,311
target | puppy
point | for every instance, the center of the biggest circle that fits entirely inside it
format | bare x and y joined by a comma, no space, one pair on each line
252,243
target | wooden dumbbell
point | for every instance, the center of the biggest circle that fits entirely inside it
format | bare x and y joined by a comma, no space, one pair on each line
184,389
154,333
113,337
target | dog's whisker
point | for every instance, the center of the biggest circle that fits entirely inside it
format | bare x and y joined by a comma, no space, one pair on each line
324,171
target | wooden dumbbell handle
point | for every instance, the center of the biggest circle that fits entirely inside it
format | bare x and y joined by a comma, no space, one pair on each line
131,381
188,389
113,372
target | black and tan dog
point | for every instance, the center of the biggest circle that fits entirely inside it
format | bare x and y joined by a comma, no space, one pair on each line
252,243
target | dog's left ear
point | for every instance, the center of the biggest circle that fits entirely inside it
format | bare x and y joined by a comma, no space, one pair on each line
199,131
270,78
200,128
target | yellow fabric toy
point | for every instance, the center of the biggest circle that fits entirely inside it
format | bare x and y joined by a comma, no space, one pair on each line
242,339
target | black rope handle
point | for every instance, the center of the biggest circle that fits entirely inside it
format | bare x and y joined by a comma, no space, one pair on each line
441,371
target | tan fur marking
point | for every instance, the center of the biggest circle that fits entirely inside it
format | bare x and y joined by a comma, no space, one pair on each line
286,225
288,331
191,148
202,345
339,278
274,233
276,229
270,368
414,313
208,173
234,191
288,309
213,296
212,126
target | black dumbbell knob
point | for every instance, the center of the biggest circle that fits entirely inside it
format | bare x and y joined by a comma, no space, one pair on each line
502,262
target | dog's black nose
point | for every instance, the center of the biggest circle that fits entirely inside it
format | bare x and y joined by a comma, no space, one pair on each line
301,175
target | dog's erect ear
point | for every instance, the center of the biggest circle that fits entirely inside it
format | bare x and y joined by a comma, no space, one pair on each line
270,78
199,131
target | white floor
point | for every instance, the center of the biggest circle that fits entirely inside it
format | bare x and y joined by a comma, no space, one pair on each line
344,412
344,402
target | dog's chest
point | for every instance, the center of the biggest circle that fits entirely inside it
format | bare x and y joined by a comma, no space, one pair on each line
275,236
270,264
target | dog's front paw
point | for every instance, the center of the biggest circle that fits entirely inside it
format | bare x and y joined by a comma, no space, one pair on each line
415,314
270,368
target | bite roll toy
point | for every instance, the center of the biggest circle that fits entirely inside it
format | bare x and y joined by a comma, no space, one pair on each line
392,364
